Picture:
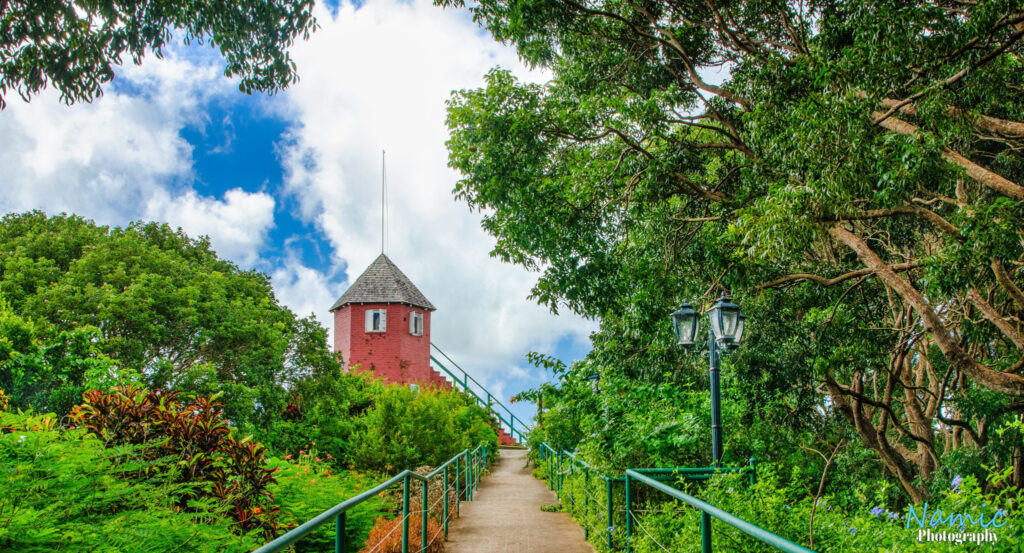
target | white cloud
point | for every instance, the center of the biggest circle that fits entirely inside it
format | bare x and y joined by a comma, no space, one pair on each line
305,291
377,77
237,225
372,78
122,157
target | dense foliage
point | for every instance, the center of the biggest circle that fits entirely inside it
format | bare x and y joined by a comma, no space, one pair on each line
160,304
408,428
71,491
195,436
74,46
855,519
854,180
851,171
186,403
67,492
360,422
46,369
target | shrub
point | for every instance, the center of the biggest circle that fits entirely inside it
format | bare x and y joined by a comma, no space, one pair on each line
307,486
386,534
860,520
207,457
407,428
324,408
65,492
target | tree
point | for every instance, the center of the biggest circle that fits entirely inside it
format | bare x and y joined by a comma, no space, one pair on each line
48,370
856,176
165,307
74,46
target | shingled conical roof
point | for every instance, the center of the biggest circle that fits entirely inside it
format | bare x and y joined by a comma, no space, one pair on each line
383,282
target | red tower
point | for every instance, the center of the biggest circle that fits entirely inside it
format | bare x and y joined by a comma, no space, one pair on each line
382,324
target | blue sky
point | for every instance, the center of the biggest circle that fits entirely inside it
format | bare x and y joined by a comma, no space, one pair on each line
289,184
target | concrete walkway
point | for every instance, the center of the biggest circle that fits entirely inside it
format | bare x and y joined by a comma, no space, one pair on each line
505,515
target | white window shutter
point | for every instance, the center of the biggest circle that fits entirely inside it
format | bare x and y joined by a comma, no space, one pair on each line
383,320
369,320
412,323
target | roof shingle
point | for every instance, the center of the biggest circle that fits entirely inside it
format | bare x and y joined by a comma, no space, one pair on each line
383,282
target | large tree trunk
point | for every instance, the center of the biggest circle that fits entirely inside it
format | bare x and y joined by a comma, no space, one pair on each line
903,470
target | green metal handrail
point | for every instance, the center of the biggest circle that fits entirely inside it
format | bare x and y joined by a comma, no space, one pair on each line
467,378
488,403
774,540
655,477
472,464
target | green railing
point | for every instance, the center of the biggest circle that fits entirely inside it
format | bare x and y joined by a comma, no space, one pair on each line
479,392
468,466
557,468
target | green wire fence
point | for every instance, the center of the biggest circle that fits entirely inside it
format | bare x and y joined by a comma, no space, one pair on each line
558,464
468,467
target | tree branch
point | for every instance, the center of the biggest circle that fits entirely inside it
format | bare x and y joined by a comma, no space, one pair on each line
821,484
1011,384
977,172
925,213
824,281
984,122
1004,280
996,319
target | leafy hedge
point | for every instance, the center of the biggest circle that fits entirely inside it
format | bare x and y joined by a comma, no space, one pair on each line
855,520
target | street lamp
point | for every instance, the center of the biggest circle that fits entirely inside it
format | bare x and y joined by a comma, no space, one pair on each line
594,380
724,333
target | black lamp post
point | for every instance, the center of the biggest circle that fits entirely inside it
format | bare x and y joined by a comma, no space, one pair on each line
724,333
595,380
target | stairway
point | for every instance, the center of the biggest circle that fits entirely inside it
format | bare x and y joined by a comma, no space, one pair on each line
442,383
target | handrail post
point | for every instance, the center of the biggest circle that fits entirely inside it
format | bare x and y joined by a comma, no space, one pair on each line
552,471
405,514
753,471
559,481
572,491
705,532
444,482
469,476
458,497
557,460
586,503
629,519
339,534
481,463
424,514
608,488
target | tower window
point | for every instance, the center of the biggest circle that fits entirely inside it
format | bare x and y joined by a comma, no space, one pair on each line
376,320
416,324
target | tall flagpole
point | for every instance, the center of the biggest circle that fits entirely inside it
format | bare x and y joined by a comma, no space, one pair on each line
383,181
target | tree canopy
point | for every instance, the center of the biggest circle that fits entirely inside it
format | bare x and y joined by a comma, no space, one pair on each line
161,305
74,46
851,171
